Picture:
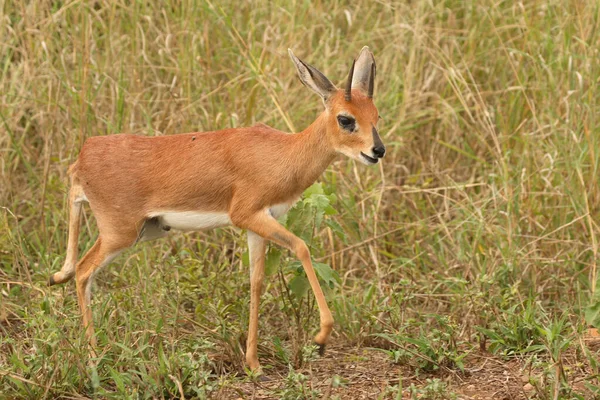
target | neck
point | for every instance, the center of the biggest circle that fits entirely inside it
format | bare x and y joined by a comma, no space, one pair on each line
314,151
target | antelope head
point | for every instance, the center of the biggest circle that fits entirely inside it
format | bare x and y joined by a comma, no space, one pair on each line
350,113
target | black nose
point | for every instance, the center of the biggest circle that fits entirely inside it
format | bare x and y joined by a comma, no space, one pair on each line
379,151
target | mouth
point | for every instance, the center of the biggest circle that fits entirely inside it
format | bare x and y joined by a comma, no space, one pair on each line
370,160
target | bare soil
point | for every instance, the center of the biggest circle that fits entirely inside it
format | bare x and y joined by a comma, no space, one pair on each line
368,373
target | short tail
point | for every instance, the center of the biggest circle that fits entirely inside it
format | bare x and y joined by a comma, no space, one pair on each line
76,196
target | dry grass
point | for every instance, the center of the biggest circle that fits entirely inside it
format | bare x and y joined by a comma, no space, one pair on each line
478,232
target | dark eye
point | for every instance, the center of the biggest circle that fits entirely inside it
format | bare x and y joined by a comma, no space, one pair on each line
346,123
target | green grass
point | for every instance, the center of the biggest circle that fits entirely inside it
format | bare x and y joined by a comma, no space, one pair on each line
478,234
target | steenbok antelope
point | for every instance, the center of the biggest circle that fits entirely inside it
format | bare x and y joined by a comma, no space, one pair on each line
139,188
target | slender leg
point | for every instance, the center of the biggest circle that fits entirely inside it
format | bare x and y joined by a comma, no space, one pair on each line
97,257
68,269
266,226
257,247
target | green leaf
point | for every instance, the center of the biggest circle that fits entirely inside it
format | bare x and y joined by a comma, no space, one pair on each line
295,267
159,325
330,210
45,306
318,219
163,363
337,229
95,378
315,188
18,363
118,380
283,219
246,258
489,333
272,261
299,285
299,218
328,275
18,384
535,348
592,311
422,344
332,198
318,201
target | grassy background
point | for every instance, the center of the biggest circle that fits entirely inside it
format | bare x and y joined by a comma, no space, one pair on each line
478,232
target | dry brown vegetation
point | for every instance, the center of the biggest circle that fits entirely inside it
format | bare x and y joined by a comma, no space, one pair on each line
466,260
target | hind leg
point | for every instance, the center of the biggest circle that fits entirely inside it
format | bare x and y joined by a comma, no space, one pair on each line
101,254
76,197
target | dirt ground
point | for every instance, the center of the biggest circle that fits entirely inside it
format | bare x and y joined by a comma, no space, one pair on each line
370,374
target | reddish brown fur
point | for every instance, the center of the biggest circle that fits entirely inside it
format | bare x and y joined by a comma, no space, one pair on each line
126,177
241,172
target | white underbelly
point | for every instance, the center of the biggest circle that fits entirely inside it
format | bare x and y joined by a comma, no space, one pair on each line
196,220
192,220
278,210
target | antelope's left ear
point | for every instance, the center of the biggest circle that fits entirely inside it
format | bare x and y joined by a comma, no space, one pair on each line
313,78
364,72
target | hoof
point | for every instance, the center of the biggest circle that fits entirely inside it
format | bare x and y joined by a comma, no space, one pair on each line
321,348
262,378
257,375
51,281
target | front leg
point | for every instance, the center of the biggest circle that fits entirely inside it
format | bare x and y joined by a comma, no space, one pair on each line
256,247
267,227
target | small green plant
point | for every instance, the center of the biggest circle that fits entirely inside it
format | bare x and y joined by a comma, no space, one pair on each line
297,387
593,381
518,330
435,346
310,353
309,214
305,219
592,311
556,338
434,389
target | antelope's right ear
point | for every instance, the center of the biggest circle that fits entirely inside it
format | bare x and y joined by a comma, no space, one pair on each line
313,78
364,72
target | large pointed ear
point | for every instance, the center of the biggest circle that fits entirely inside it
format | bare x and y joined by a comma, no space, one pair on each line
364,72
313,78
